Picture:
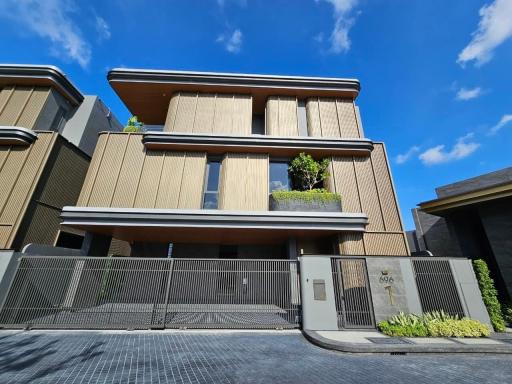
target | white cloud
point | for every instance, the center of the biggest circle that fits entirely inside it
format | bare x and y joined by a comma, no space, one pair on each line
241,3
438,155
103,28
52,20
494,28
232,42
343,21
468,94
404,157
505,119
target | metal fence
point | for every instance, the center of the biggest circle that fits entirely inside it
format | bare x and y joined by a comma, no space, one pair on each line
352,293
102,292
436,286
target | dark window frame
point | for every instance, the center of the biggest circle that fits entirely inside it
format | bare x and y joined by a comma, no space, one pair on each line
279,160
206,191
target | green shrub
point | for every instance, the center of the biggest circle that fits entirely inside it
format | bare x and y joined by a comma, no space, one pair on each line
489,294
133,125
507,314
458,328
432,324
308,196
306,172
395,330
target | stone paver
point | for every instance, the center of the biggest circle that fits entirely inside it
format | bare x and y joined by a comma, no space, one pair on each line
221,357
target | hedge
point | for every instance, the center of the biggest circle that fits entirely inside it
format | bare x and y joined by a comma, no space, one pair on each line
489,294
308,196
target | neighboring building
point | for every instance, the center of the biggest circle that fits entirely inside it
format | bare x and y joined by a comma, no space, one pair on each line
48,130
203,184
471,218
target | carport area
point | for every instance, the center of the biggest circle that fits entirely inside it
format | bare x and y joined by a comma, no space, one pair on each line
174,356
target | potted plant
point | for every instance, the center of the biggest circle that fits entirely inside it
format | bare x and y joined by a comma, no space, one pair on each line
306,173
133,125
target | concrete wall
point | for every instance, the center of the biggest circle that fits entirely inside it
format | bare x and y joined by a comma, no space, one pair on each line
497,223
434,234
87,121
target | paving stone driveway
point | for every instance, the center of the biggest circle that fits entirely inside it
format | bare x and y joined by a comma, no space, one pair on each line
222,357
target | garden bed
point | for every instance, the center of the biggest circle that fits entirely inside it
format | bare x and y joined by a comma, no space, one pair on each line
316,200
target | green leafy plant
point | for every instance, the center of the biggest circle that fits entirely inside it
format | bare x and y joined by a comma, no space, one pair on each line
507,314
489,294
133,125
432,324
313,195
306,172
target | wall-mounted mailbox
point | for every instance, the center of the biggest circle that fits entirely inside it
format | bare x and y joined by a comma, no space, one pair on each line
319,289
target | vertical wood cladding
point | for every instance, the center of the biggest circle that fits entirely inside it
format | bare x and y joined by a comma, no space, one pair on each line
124,174
281,116
365,186
59,185
21,105
244,182
209,113
329,117
20,170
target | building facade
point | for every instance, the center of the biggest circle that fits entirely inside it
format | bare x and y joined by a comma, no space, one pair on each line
471,218
48,131
220,143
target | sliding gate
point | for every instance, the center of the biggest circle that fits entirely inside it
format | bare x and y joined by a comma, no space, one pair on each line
104,292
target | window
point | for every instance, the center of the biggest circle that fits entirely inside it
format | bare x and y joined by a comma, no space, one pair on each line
211,191
279,177
302,118
258,125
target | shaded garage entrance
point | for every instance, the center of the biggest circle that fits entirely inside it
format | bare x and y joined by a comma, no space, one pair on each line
104,292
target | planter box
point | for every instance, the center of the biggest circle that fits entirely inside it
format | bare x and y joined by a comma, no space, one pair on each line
304,206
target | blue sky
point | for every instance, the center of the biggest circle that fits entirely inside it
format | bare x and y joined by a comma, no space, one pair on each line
436,75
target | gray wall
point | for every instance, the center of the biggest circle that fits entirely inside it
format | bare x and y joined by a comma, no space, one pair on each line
433,233
87,121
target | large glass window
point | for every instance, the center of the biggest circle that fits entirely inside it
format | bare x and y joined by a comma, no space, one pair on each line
211,191
279,177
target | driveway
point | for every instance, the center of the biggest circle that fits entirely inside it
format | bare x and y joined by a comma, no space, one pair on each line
221,357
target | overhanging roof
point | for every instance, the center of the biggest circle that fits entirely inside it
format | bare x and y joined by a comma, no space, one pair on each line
443,205
146,92
11,135
209,226
40,75
273,145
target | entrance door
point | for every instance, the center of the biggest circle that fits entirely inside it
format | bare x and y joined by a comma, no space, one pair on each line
352,293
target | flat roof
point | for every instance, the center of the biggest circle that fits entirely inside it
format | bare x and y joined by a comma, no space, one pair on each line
40,75
442,205
147,92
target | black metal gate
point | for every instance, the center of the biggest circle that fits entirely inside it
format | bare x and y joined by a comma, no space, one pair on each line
103,292
352,293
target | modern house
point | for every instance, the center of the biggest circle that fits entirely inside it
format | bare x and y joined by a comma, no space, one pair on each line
193,205
471,218
202,183
48,131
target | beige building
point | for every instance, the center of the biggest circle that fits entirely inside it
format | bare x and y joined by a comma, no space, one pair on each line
48,131
201,177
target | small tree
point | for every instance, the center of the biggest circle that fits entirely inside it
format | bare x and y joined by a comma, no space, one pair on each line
133,125
306,172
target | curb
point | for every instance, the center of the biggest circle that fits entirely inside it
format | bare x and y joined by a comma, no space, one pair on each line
323,342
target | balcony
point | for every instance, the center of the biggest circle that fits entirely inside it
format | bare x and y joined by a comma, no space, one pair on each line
210,226
272,145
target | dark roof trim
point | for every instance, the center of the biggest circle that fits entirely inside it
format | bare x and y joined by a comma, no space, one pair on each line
10,135
40,75
232,79
198,218
257,143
